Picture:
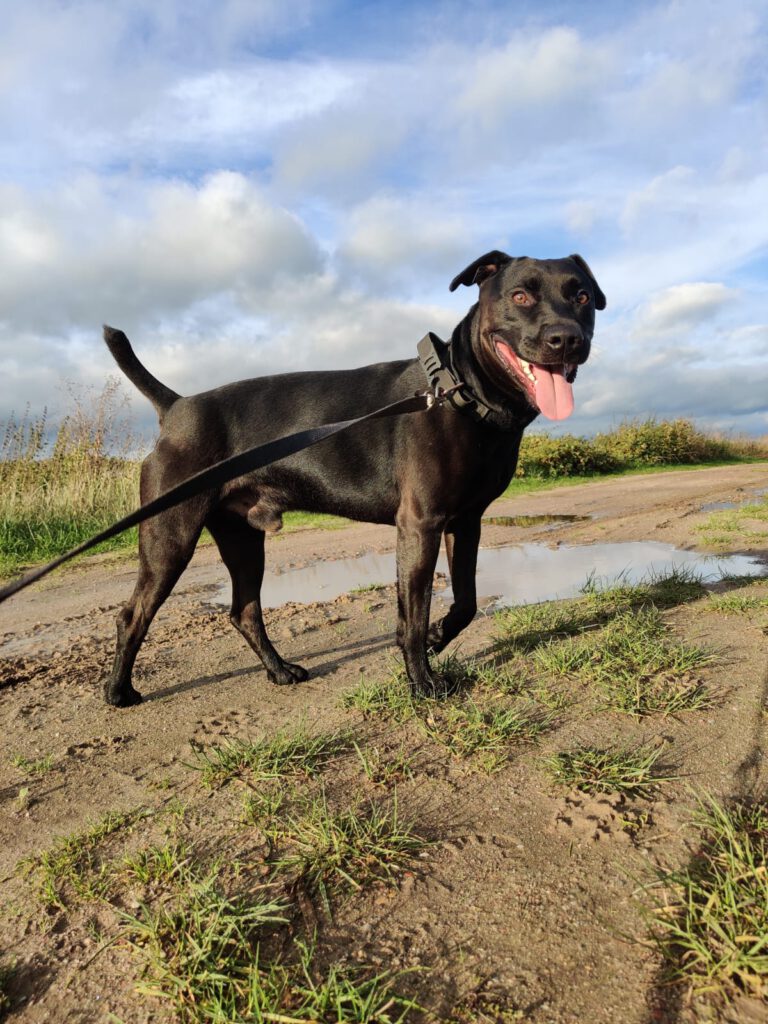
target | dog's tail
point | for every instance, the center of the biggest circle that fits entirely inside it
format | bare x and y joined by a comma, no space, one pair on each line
159,395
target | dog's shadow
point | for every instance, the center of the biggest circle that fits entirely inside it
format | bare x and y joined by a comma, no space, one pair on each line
341,655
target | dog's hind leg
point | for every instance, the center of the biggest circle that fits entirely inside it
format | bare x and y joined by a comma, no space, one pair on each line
166,544
462,539
242,549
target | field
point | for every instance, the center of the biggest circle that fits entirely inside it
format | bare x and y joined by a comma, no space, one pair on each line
579,835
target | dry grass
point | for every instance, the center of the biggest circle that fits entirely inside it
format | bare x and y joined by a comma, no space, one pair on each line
58,489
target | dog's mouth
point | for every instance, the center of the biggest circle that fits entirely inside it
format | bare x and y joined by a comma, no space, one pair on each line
548,388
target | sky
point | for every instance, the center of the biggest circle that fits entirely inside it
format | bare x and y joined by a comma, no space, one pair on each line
254,186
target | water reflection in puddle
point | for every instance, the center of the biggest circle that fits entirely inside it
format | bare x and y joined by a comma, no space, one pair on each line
518,574
753,498
530,521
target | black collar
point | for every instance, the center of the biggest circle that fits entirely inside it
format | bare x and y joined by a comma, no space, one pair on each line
435,358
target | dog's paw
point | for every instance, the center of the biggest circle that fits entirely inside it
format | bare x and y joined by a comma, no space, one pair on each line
433,687
123,698
288,674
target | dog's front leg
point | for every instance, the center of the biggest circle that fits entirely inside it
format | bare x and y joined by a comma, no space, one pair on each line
462,539
418,542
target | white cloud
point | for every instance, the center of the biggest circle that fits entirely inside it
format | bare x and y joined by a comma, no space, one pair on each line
403,242
670,194
683,306
238,109
581,215
90,253
538,72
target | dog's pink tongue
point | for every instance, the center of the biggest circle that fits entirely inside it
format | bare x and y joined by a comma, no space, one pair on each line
554,395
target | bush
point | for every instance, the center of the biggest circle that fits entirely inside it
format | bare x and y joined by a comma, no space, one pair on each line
661,443
544,456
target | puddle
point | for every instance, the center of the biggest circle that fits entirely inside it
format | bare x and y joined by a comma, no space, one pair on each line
752,498
529,521
518,574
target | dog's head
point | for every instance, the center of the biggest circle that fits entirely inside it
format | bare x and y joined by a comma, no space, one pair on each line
534,324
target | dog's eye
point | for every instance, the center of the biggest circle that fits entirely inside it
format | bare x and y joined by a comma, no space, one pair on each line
521,298
582,297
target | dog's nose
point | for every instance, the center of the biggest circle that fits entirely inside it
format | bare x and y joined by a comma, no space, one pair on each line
562,340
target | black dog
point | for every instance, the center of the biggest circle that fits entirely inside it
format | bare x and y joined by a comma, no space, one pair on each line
429,473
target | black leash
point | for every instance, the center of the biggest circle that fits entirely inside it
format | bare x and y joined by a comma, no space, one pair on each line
221,472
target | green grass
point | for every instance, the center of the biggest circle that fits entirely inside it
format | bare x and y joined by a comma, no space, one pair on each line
374,696
712,925
200,948
340,995
280,756
612,770
33,768
729,527
334,851
525,628
293,521
263,807
737,604
384,768
160,864
488,734
484,731
203,956
74,865
634,662
613,638
211,954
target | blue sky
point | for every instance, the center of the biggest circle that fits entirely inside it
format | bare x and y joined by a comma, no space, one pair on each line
249,187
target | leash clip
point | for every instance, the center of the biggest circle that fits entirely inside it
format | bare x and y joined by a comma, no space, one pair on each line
437,395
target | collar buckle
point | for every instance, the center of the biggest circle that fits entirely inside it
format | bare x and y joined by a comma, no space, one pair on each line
443,382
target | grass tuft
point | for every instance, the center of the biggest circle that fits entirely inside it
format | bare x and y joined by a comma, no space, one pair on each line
525,628
485,733
200,946
390,697
737,604
636,664
37,768
339,996
383,768
281,755
163,864
74,863
713,927
730,527
615,770
347,850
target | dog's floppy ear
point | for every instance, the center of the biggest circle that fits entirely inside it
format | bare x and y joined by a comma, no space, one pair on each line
483,267
581,262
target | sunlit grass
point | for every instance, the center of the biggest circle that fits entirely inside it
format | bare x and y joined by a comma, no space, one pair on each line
712,924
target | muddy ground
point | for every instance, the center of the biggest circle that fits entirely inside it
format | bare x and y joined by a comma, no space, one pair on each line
527,904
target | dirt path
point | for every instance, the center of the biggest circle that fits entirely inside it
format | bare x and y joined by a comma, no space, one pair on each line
525,900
